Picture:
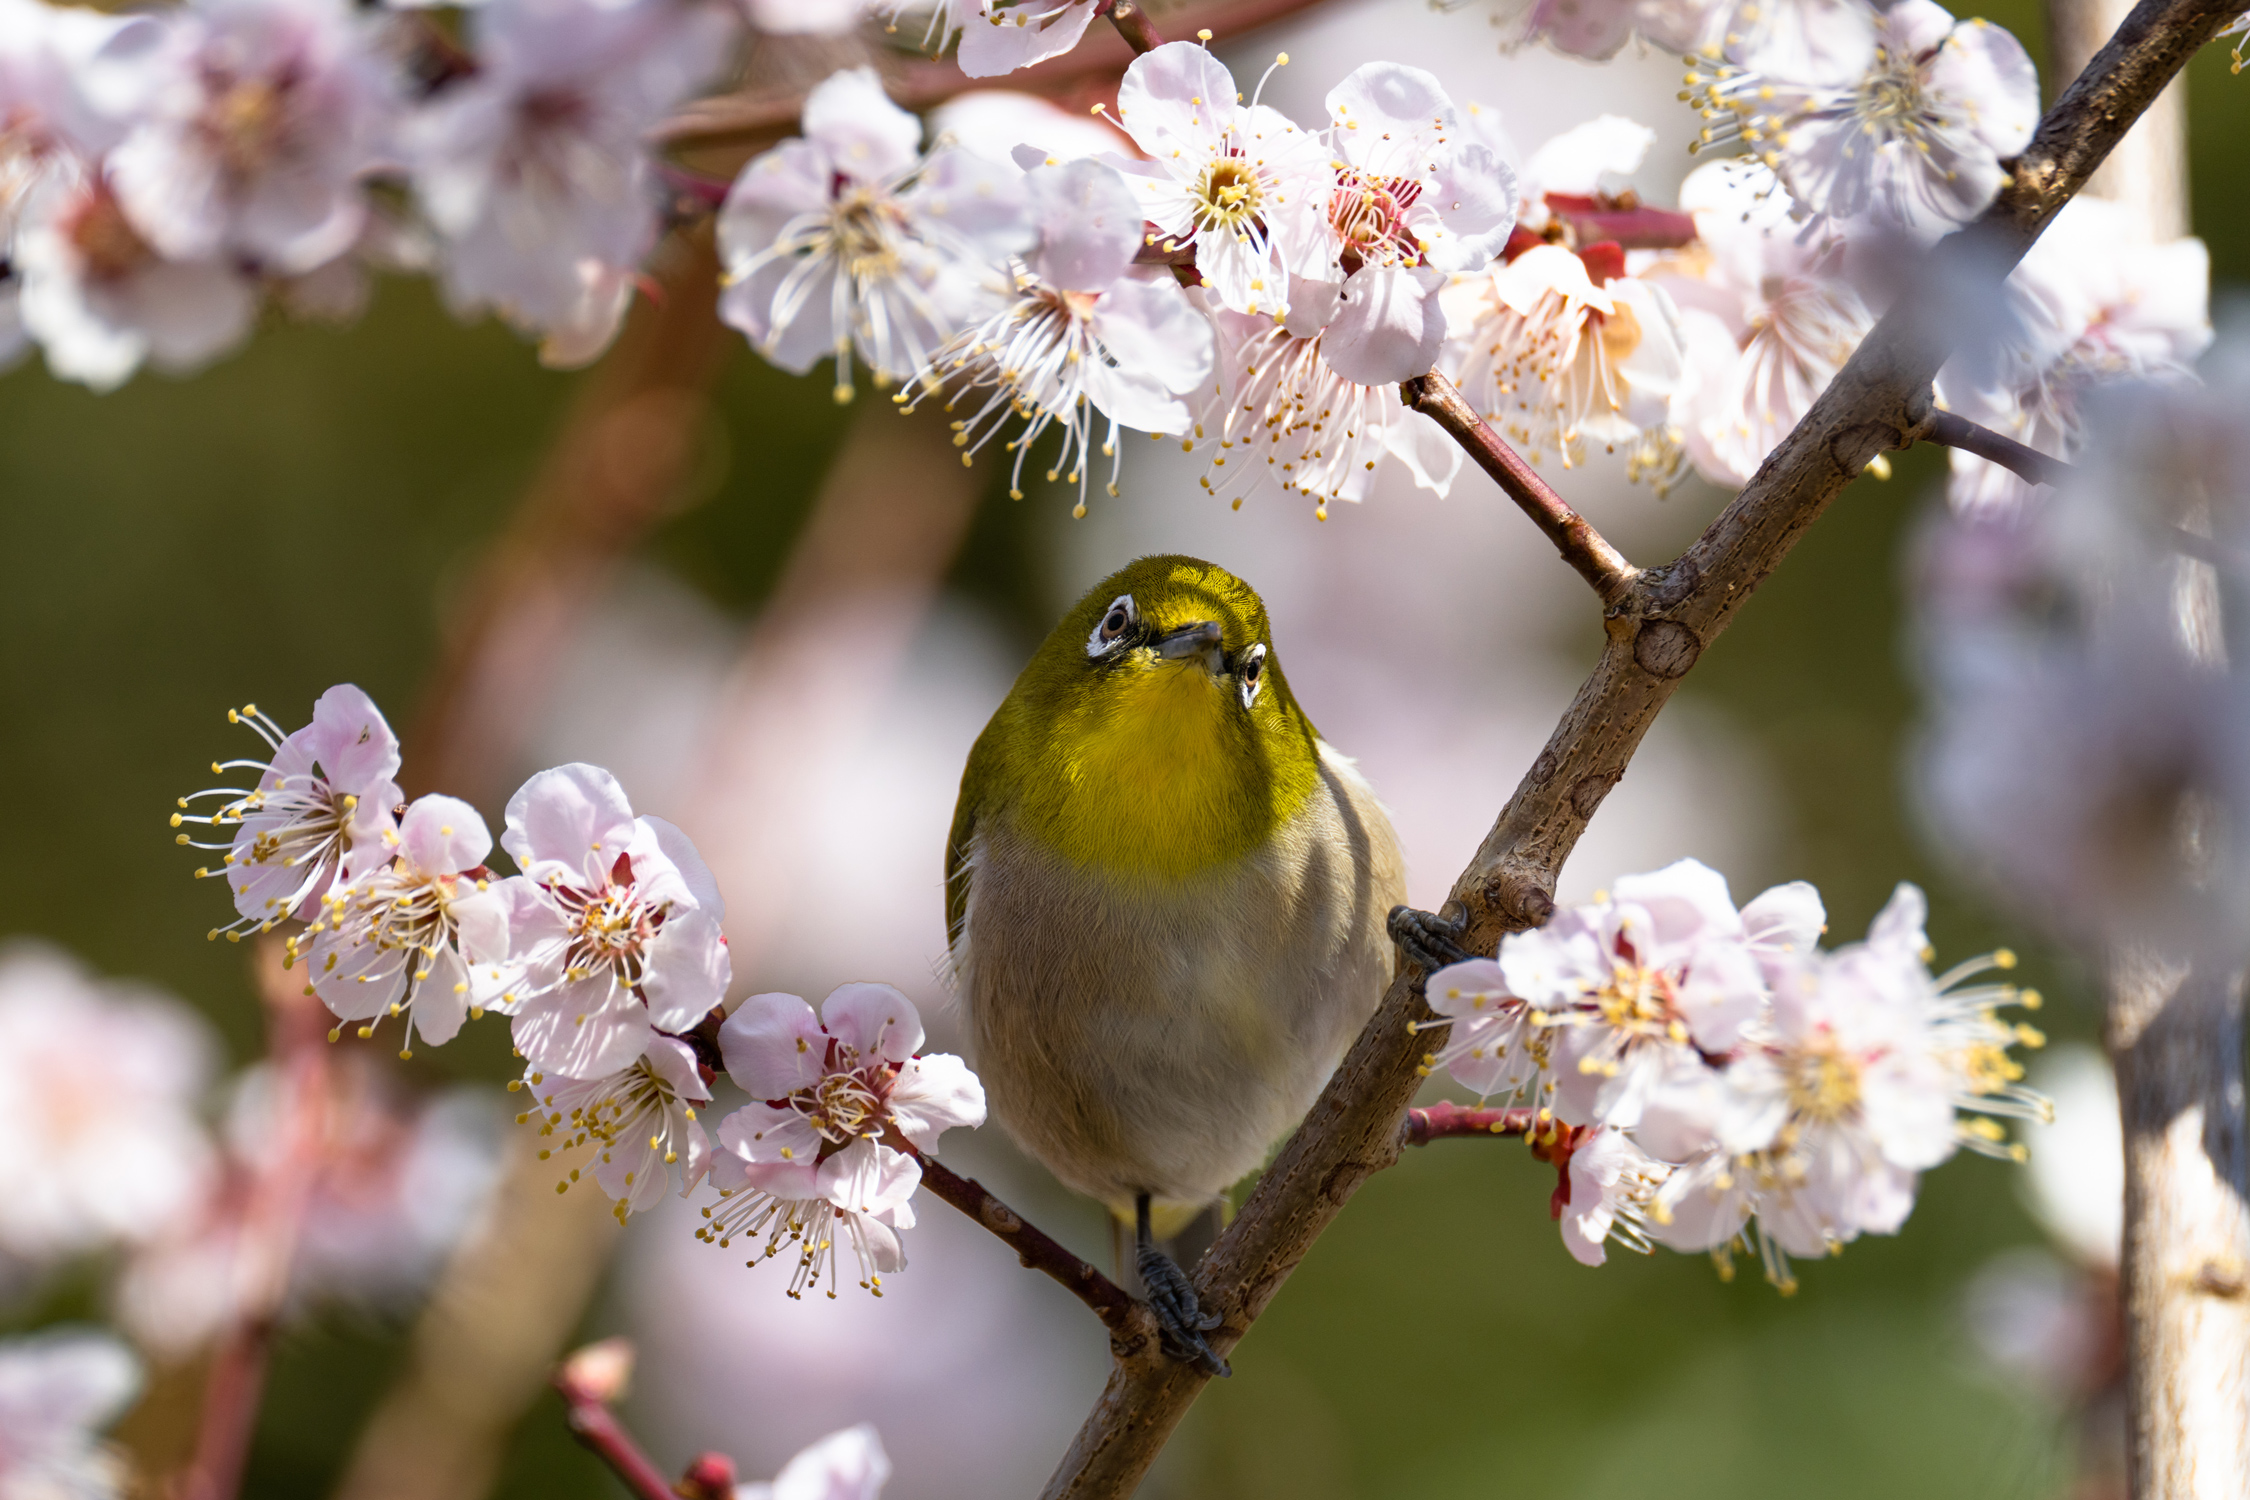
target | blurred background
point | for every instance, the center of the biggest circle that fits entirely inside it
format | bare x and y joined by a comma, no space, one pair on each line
781,622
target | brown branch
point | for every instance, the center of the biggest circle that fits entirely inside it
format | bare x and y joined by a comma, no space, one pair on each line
1655,634
586,1409
1131,1327
2028,464
754,118
1132,23
1446,1120
1574,537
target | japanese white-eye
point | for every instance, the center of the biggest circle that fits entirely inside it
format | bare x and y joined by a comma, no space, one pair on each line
1166,898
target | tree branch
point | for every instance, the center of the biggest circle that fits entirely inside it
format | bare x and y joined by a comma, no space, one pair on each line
586,1398
1132,1329
1574,537
1445,1120
2026,463
1132,23
1655,634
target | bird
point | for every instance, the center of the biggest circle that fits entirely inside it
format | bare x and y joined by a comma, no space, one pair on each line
1167,907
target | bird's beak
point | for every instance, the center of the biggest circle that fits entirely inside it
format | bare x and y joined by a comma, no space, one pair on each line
1200,639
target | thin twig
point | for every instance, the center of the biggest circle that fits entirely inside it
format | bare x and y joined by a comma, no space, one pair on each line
1128,1320
2028,464
1574,537
1654,636
1132,23
596,1426
1446,1120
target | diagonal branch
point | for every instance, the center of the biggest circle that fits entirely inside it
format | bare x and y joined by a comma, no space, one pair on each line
1132,1329
1655,634
1574,537
1132,23
2026,463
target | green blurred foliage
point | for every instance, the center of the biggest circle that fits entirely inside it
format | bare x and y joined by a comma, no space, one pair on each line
307,513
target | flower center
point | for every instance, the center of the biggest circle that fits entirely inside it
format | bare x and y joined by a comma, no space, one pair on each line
105,240
1823,1084
864,235
1892,94
1229,195
1636,999
244,125
1369,214
609,931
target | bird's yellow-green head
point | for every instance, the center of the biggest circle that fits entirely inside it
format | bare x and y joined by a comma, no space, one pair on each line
1153,734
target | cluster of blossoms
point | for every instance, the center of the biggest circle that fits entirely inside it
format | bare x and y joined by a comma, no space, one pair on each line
2083,751
606,952
1707,1076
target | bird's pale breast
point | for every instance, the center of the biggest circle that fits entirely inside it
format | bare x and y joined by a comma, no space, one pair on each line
1138,1035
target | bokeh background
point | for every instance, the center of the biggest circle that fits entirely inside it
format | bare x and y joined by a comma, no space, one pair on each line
789,657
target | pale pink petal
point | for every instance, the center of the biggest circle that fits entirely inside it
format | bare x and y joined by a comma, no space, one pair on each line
873,1020
773,1046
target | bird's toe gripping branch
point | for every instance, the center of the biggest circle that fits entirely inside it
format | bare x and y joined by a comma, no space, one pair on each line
1171,1296
1430,940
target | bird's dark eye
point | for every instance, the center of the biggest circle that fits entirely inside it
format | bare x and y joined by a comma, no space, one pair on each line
1118,619
1251,674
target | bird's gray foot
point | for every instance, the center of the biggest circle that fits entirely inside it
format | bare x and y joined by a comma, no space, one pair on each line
1171,1296
1427,938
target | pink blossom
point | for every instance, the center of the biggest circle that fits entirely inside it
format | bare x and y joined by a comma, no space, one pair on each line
58,1389
640,1121
846,1465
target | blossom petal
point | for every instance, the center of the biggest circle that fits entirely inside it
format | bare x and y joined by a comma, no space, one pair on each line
773,1046
932,1095
1388,325
874,1020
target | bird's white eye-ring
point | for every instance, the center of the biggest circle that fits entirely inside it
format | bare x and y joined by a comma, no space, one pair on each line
1115,622
1252,674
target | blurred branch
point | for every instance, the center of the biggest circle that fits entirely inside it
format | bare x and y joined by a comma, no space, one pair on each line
755,117
587,1382
272,1224
2149,170
1574,537
1132,23
1446,1120
1655,633
1129,1322
2026,463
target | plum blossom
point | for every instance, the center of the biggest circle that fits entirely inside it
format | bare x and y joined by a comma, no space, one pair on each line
614,926
1416,198
846,1465
640,1120
1240,183
1612,1188
849,237
1084,335
99,1087
534,170
1597,29
58,1390
1562,349
1494,1044
1767,318
320,811
1000,36
1865,1073
262,117
1899,115
423,937
992,123
832,1151
1280,414
2095,300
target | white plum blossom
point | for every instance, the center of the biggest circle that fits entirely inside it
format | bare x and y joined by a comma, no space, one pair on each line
1240,183
1494,1044
846,1465
1562,349
321,810
848,237
1596,29
614,926
831,1151
1000,36
1415,199
992,123
640,1120
1085,335
58,1390
1280,414
1767,318
260,122
422,937
1901,116
99,1087
534,170
2095,300
1613,1185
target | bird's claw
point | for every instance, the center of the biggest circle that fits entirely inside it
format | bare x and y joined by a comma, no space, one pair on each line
1432,942
1171,1296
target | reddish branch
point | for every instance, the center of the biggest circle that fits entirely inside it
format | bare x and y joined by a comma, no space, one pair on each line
1574,537
2027,464
1131,1326
1446,1119
586,1410
1655,629
1132,23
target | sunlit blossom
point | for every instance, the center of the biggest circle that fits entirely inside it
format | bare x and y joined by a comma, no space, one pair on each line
640,1122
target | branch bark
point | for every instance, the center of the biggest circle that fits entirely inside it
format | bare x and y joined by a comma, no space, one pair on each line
1133,24
2026,463
1656,631
1574,536
1446,1120
1132,1330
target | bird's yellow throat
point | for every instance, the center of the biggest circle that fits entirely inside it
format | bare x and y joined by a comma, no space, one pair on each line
1161,774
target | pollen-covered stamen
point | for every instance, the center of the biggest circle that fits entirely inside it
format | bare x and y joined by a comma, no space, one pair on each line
296,823
1293,419
810,1226
1368,213
609,929
636,1107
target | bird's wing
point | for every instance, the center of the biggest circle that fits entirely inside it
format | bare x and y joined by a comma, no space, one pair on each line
977,780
